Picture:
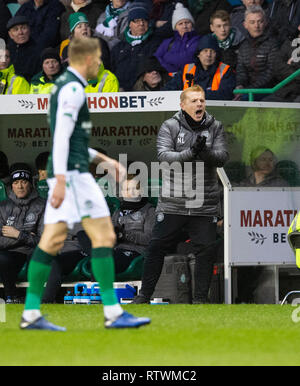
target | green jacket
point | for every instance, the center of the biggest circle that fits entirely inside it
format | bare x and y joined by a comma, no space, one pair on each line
106,82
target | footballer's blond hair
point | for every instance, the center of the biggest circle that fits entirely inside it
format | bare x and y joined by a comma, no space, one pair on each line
79,49
195,88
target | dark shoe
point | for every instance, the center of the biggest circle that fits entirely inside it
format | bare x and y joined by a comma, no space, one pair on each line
140,299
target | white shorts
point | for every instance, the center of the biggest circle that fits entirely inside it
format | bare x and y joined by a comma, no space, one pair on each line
83,198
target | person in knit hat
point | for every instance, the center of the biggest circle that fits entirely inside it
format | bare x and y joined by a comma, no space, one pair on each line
138,43
43,82
151,76
215,77
21,226
175,52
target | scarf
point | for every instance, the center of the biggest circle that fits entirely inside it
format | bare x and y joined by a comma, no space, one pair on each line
133,205
194,125
76,7
111,20
226,43
135,40
196,6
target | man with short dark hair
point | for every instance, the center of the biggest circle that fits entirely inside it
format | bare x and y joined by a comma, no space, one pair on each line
257,54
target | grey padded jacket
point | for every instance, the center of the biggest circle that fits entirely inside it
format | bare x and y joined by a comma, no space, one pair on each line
190,176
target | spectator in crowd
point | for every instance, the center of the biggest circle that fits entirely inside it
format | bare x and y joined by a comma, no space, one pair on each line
5,15
113,22
139,43
90,8
286,63
44,21
203,140
215,77
284,18
257,54
43,82
229,38
202,11
10,83
263,171
21,221
175,52
161,17
151,76
79,27
24,52
237,15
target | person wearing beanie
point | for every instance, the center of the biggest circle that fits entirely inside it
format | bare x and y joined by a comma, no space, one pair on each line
79,27
91,9
151,76
21,224
215,77
43,82
175,52
138,43
24,51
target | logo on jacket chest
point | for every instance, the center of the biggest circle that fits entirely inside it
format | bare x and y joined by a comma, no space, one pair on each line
180,138
10,221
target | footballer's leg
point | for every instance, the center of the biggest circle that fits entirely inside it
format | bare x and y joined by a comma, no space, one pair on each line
102,236
39,269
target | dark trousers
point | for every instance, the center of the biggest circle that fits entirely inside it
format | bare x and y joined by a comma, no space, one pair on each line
11,264
62,265
165,236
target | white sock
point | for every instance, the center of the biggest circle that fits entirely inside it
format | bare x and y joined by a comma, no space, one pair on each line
31,315
112,312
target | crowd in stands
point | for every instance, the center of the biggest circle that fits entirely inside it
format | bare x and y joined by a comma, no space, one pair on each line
155,45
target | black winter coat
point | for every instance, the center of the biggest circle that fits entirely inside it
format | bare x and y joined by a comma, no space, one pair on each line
25,58
27,216
256,58
126,60
5,15
44,21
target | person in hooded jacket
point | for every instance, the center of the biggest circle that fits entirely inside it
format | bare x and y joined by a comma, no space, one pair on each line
215,77
21,222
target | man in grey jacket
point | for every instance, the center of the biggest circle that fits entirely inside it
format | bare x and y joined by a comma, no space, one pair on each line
21,223
190,145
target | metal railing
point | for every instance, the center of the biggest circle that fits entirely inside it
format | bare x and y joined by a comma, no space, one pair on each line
252,91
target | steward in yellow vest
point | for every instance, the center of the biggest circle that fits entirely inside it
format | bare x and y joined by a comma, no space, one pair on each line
294,237
10,83
43,82
106,82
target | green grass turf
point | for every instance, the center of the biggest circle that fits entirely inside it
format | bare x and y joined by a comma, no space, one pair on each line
191,335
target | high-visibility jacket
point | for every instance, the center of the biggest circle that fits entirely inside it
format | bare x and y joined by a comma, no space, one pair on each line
11,84
106,82
294,237
190,68
41,86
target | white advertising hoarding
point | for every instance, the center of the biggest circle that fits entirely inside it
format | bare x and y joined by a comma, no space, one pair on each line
259,220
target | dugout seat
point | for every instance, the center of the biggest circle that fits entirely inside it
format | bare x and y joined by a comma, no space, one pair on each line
3,195
77,273
22,276
133,272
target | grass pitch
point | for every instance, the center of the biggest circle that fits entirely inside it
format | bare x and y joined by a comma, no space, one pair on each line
181,335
